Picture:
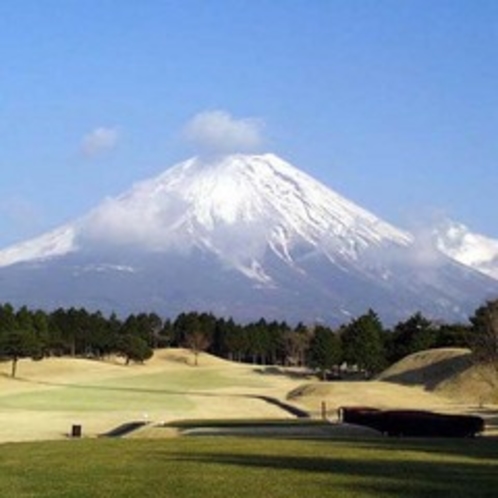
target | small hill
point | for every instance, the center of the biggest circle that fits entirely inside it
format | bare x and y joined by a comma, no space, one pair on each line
449,372
428,368
363,393
443,380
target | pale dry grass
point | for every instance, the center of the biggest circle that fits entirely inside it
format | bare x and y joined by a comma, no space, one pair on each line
443,380
51,395
448,372
367,393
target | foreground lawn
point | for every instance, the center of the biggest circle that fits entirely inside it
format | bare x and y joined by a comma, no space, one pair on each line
250,467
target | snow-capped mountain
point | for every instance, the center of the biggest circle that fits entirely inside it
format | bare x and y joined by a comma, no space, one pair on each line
239,235
471,249
262,200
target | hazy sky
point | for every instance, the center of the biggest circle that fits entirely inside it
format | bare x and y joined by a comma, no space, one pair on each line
392,103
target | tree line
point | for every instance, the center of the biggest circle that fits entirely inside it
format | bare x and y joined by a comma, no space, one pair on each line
363,343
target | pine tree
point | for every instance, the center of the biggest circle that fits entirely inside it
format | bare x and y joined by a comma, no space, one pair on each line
17,344
363,345
324,350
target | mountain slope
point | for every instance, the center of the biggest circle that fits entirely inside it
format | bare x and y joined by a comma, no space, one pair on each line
237,208
246,236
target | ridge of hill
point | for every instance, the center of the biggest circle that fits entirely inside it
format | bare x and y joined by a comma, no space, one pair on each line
428,368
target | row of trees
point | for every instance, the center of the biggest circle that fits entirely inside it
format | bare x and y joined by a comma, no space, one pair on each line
74,332
364,342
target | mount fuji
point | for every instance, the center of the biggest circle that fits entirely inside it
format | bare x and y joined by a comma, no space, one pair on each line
247,236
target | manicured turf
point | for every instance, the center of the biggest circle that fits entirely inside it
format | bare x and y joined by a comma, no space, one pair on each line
250,467
156,391
97,397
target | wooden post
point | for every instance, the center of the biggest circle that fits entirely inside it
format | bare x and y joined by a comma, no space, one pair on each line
76,431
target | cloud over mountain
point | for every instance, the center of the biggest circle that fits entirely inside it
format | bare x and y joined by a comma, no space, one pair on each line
217,132
240,235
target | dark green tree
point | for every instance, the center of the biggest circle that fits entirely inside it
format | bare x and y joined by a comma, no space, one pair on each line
100,338
165,335
483,342
145,325
413,335
363,345
17,344
133,348
41,329
259,341
236,341
7,318
297,343
483,335
324,351
452,336
73,330
184,324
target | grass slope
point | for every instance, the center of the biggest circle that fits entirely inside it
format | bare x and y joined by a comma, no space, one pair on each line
364,393
428,368
246,467
448,372
51,395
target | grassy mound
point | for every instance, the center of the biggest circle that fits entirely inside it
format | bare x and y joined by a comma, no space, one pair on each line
449,372
428,368
364,393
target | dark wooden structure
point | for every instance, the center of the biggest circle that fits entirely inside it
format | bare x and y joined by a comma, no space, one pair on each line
415,423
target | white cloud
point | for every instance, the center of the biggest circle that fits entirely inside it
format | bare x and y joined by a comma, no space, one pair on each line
218,132
159,224
99,140
143,225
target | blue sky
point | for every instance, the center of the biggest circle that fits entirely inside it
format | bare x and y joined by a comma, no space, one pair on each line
393,103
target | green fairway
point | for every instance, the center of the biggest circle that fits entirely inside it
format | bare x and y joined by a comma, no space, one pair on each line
96,398
249,467
155,391
50,395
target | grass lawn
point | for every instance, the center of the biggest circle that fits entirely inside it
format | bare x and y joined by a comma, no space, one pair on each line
248,467
50,395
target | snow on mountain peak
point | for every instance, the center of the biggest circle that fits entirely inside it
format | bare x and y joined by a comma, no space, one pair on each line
235,206
247,235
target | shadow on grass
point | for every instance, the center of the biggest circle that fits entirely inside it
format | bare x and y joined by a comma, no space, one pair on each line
407,477
478,448
124,429
490,416
288,372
